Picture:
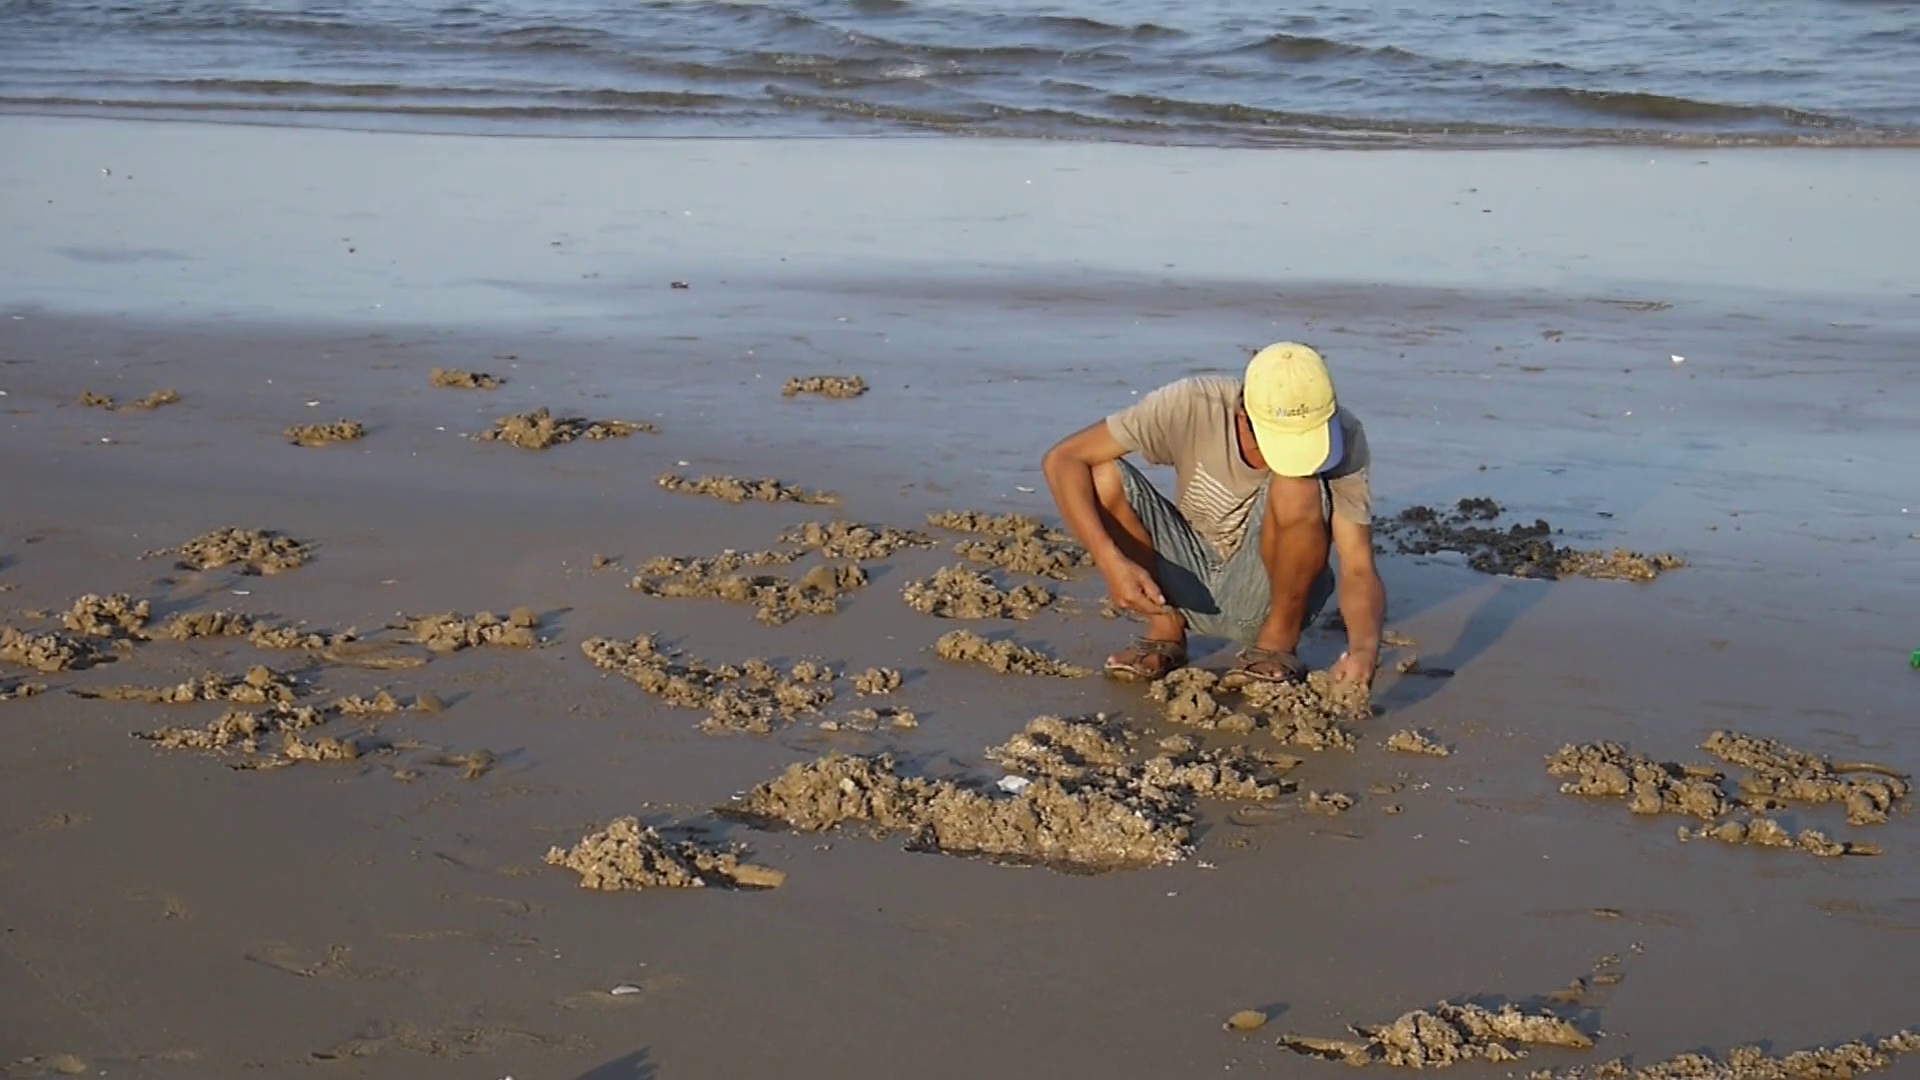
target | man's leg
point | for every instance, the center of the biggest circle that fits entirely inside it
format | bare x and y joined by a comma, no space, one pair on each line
1279,581
1151,531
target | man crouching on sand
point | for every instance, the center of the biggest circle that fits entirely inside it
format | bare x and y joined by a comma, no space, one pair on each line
1271,472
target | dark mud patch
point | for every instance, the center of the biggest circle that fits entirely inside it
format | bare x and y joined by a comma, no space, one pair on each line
857,542
833,386
452,631
776,598
47,652
540,429
253,551
1519,550
1777,776
628,855
15,689
454,378
1316,713
152,401
753,697
1004,657
1850,1059
323,434
1447,1034
956,592
261,685
733,489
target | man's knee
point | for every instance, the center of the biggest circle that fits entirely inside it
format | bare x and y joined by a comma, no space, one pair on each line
1110,485
1294,502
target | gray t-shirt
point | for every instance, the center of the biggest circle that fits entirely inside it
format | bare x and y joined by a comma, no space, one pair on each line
1190,425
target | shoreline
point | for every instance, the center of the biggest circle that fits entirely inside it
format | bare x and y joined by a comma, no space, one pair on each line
175,917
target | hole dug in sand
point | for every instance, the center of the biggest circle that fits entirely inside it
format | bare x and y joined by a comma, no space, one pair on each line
956,592
1079,797
540,429
1518,550
778,599
754,697
833,386
1778,775
322,434
735,490
1004,657
254,551
629,855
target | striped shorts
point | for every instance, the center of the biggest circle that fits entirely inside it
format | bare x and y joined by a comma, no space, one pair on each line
1225,599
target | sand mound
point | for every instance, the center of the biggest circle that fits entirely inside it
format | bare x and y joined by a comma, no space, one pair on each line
322,434
151,401
381,703
465,380
290,636
1518,550
754,697
1314,713
849,540
540,429
1850,1059
1778,774
629,855
44,652
194,625
955,592
873,719
1782,772
778,599
1447,1034
1005,657
115,616
874,681
254,551
1027,555
452,631
236,729
259,686
735,490
1413,741
1014,526
833,386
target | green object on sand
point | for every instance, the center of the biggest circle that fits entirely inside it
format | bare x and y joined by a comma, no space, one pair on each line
1916,660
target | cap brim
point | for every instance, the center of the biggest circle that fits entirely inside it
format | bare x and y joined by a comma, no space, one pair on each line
1300,453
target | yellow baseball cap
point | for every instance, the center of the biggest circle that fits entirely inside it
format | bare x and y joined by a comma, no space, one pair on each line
1291,402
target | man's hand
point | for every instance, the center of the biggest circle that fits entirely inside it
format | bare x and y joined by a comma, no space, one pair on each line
1351,668
1133,587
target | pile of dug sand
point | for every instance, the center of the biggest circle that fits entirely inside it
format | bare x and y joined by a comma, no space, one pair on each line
253,551
1778,775
451,632
1851,1059
322,434
1005,657
1079,796
540,429
629,855
735,490
1315,713
754,697
261,685
833,386
1518,550
151,401
854,541
1027,555
465,380
114,616
955,592
776,598
1447,1034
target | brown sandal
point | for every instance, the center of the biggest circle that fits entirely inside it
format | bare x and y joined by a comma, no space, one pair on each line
1266,666
1147,659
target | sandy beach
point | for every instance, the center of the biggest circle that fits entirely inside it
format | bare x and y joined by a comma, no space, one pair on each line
1702,353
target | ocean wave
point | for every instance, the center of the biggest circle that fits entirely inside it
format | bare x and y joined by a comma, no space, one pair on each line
1664,109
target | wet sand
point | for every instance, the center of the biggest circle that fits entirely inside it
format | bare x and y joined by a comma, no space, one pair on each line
169,916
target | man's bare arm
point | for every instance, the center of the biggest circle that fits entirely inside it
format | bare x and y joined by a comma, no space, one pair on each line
1363,596
1069,471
